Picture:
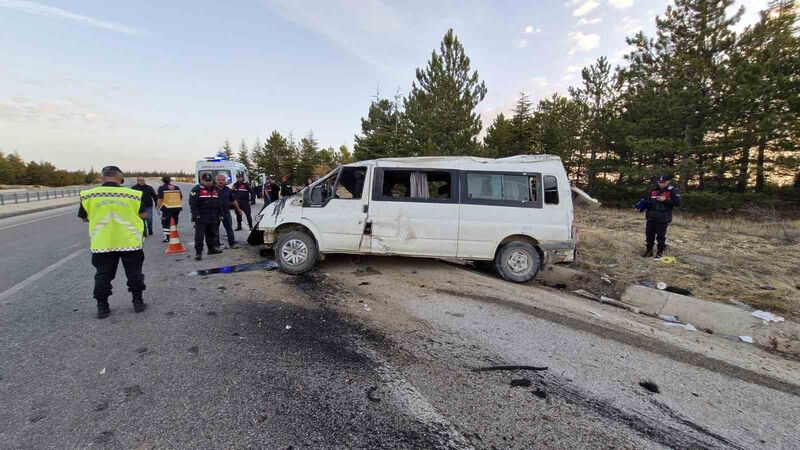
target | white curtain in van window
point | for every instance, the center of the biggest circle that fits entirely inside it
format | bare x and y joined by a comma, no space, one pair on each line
419,185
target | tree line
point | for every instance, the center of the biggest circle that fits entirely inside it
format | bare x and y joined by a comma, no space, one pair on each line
14,170
719,110
281,156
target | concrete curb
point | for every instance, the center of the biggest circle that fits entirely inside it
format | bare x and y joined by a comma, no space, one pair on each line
35,210
722,319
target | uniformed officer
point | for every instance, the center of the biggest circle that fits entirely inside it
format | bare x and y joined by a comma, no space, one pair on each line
658,203
169,204
205,206
115,214
227,201
245,196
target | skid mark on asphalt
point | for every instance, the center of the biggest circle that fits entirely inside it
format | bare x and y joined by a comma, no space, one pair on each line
635,340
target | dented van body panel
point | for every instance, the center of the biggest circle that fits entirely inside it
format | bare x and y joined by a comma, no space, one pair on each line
457,207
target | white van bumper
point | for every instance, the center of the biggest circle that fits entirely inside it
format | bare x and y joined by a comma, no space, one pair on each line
559,252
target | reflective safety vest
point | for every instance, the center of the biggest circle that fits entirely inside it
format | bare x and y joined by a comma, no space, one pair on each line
114,222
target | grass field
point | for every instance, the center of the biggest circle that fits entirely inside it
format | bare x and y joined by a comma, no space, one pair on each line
755,260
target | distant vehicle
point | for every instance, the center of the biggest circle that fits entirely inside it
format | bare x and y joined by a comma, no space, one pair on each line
515,212
216,165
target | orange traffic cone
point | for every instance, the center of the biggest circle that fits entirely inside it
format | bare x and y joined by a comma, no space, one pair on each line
175,245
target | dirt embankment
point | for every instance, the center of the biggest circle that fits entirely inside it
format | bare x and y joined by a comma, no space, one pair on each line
752,261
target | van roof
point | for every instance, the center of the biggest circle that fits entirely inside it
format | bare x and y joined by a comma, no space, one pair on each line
463,162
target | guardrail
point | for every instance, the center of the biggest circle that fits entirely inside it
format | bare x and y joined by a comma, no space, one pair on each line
35,196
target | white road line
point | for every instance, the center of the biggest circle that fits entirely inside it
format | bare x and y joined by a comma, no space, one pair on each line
36,220
33,278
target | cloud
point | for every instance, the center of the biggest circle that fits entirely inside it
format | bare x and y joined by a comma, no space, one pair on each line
583,42
585,8
56,13
67,112
519,43
621,4
360,27
539,82
629,26
593,21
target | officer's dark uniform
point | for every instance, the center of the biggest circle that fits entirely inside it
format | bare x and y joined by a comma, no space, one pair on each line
205,206
226,199
245,195
659,215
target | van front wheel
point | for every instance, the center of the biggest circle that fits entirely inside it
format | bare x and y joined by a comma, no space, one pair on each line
518,262
296,252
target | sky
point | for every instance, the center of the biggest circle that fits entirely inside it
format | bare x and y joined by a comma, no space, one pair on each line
156,84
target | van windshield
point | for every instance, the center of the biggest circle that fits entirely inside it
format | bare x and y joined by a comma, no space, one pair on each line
214,173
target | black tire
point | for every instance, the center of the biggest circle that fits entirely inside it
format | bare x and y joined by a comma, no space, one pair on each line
518,262
295,252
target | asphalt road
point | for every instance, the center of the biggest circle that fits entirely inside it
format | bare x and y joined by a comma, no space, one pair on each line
340,358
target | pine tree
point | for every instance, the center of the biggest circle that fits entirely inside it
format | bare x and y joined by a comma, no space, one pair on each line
521,132
271,160
499,138
244,156
383,132
762,102
257,155
554,123
343,156
309,158
226,150
681,71
598,98
440,108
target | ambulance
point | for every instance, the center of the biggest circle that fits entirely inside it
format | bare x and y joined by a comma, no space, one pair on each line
219,164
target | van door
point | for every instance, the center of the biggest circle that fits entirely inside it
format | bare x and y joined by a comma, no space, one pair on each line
496,205
337,207
414,212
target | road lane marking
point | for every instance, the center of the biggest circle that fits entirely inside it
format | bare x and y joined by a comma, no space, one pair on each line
33,278
35,220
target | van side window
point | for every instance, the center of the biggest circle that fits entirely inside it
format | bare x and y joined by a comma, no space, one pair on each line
550,190
417,184
502,187
351,182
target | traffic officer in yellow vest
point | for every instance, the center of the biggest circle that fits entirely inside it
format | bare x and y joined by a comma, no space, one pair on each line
115,214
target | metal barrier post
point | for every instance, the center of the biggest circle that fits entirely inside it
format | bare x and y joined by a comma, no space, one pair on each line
38,196
28,196
16,199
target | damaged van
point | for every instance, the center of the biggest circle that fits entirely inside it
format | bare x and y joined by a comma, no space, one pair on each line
514,213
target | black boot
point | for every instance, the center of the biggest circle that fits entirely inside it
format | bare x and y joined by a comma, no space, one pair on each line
198,256
103,310
660,252
214,251
138,302
648,252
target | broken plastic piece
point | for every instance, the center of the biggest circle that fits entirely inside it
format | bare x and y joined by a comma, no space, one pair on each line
767,316
288,327
661,285
747,339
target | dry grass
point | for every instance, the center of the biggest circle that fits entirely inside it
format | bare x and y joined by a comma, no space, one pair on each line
717,259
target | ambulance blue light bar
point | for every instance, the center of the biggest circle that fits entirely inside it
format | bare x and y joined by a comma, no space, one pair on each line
216,158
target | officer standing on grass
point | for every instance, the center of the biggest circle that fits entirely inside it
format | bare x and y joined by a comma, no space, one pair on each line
169,205
245,196
658,203
227,201
115,214
206,211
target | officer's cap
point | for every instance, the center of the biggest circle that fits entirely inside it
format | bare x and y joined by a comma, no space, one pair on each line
206,177
664,178
109,171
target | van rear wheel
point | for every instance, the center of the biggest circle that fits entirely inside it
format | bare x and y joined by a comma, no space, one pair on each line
295,252
518,262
